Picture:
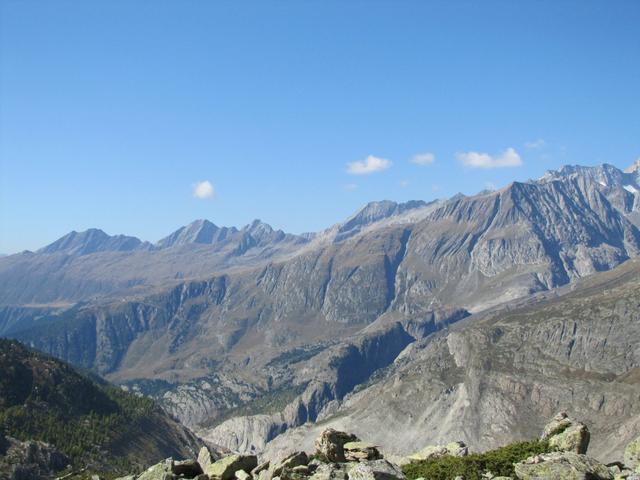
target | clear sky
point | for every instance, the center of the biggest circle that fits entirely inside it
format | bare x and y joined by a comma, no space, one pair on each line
297,112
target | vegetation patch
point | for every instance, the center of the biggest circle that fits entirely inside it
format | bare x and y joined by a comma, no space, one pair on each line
499,462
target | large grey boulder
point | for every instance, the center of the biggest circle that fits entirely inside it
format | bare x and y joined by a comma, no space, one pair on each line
205,458
159,471
454,449
290,462
226,468
358,451
566,435
562,466
330,444
330,471
375,470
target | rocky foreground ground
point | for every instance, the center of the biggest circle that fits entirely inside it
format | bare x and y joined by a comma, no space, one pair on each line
343,456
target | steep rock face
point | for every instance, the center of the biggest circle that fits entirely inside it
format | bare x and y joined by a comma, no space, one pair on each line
334,373
525,238
497,378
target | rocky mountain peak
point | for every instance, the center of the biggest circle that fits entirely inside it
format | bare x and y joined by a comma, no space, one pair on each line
91,241
634,168
199,231
374,212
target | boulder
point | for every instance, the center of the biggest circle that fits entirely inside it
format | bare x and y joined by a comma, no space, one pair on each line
330,471
454,449
260,468
632,454
330,444
159,471
225,468
375,470
566,435
205,458
290,462
242,475
356,451
562,466
187,468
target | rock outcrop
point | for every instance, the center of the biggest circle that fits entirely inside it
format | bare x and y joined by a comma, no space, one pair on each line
562,466
567,435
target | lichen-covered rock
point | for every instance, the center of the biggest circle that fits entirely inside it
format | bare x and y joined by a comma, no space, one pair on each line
566,435
242,475
159,471
632,454
557,424
187,468
205,458
562,466
454,449
374,470
225,468
260,468
330,471
357,451
330,444
290,462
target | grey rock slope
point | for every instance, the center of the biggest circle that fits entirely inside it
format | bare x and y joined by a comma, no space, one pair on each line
291,325
495,378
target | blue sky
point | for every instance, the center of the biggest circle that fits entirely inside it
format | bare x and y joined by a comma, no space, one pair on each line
111,112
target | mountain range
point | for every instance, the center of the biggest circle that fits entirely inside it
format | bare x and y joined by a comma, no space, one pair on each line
452,317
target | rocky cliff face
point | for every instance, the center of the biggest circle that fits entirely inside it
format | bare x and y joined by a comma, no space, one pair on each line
496,378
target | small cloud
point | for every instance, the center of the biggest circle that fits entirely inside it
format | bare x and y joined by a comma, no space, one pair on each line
403,183
535,144
203,190
350,187
369,165
423,158
508,158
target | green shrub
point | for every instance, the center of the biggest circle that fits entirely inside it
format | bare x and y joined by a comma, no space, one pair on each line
499,462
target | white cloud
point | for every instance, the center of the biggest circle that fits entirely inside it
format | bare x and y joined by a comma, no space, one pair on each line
423,158
534,144
508,158
203,190
369,165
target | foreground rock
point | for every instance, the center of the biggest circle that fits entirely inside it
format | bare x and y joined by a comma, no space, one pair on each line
454,449
226,468
632,455
562,466
358,451
330,444
566,435
375,470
